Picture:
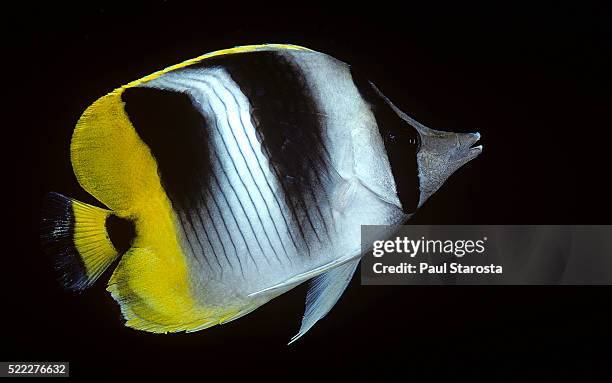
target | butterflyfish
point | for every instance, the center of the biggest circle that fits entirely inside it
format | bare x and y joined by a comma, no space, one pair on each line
231,178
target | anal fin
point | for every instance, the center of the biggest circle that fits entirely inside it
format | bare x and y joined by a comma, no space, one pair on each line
323,293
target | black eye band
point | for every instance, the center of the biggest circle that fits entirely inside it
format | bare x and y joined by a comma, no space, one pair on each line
402,143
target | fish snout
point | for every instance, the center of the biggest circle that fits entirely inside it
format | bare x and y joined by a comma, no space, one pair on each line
440,155
466,149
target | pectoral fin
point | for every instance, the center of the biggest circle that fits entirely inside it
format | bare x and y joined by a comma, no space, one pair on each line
323,293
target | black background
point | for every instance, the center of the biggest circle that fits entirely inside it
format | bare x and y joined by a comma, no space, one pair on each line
530,79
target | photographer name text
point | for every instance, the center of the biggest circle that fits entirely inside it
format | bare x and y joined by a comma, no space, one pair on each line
412,248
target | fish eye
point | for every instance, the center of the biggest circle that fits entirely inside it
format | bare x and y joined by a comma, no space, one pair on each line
410,138
406,135
415,141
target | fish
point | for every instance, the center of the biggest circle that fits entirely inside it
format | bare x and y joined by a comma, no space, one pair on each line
231,178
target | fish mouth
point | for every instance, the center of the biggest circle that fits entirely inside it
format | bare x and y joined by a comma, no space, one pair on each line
473,147
468,150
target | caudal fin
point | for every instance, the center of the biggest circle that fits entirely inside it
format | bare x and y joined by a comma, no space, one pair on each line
76,234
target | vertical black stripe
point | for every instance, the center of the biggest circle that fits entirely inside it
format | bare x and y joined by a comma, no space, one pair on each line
402,142
289,125
177,135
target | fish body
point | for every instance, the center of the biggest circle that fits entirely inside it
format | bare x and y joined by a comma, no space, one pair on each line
233,177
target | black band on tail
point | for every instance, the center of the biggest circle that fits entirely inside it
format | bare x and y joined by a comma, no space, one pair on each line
78,236
57,233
